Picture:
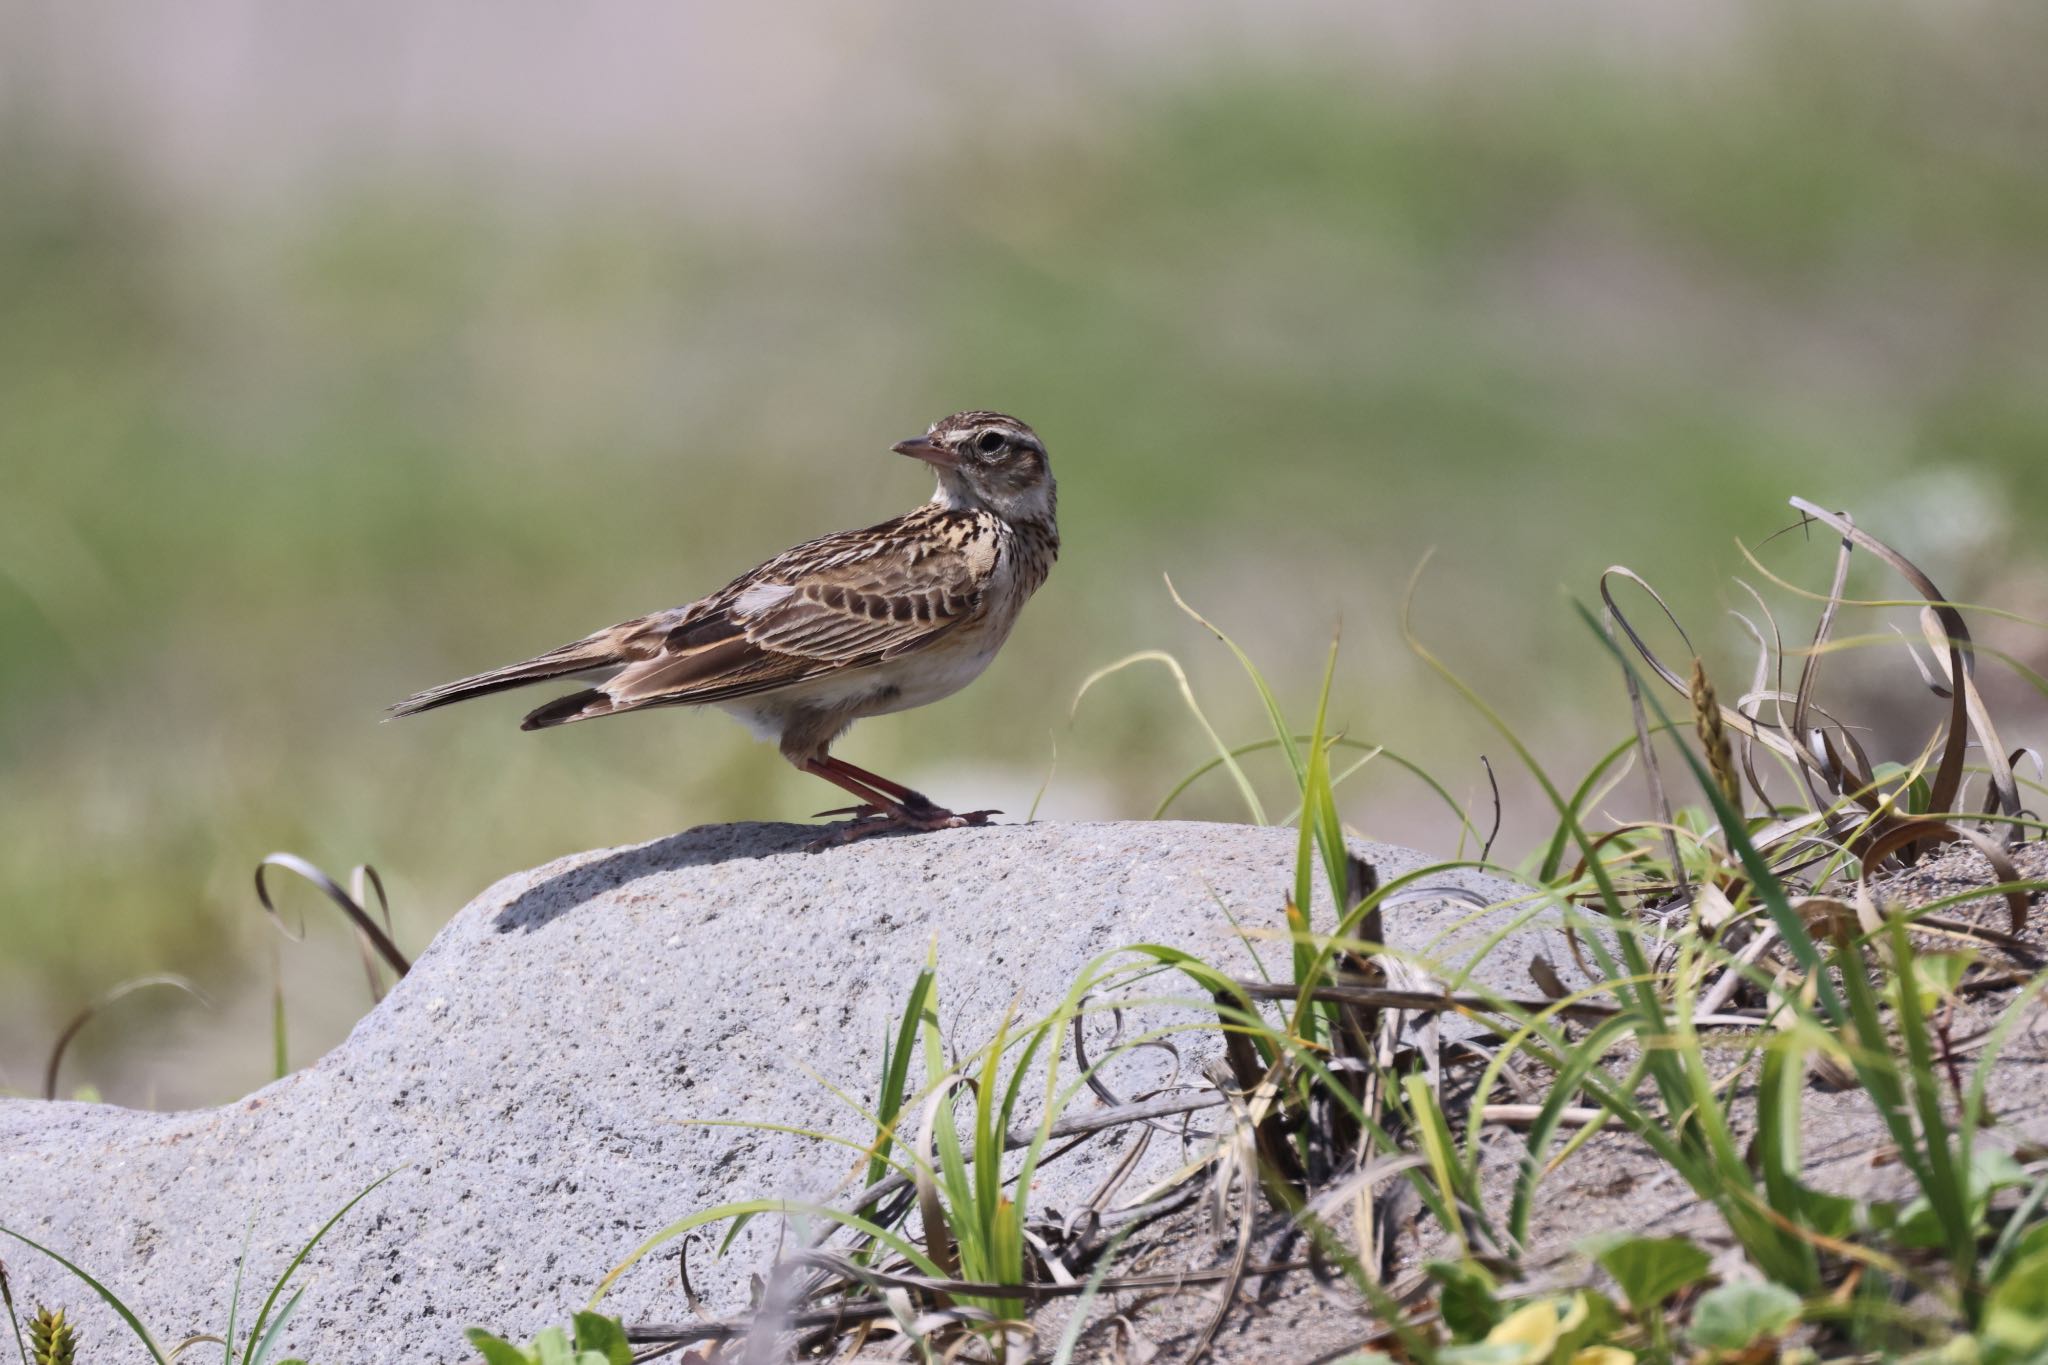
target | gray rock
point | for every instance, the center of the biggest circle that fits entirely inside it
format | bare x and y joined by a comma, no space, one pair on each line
536,1080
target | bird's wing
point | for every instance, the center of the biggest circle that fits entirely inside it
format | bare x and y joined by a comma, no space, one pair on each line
841,602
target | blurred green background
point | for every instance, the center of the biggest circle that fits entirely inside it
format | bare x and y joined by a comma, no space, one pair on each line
343,353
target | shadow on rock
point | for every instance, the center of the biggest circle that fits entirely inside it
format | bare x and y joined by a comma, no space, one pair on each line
549,899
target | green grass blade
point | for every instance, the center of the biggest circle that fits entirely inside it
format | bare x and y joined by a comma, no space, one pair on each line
1070,1335
2001,1032
227,1345
1319,791
121,1310
1187,692
1945,1152
752,1208
13,1319
284,1315
1999,1262
1281,730
1781,1091
270,1301
896,1061
1553,856
1575,1064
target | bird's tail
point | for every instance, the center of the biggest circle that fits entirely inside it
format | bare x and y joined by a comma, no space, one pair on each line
582,659
593,701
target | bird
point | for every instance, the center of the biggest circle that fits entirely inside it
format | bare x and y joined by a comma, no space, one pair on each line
856,624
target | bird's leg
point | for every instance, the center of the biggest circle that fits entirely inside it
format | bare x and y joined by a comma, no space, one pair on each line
911,802
914,805
891,805
872,801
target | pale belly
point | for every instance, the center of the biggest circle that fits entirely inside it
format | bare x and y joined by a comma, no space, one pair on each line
898,685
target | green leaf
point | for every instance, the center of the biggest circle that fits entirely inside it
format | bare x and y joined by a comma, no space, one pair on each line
1467,1299
1919,796
1481,1353
2026,1245
1919,1226
552,1348
1992,1170
496,1350
1829,1215
1600,1323
2016,1317
1934,977
1734,1317
1648,1269
604,1337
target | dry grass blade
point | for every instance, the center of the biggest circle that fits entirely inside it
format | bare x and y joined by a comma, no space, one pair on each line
1493,784
363,879
850,1313
348,905
91,1011
2013,761
1809,669
198,1339
1946,631
1732,979
1090,1071
1080,1125
1479,1008
1249,1075
2018,949
1937,831
1238,1166
1770,656
937,1237
1782,739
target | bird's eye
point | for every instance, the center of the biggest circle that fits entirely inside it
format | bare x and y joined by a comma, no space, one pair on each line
989,442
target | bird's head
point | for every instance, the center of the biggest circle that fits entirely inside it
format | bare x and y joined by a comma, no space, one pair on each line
987,460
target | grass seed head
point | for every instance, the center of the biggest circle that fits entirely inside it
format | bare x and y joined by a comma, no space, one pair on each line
52,1340
1720,754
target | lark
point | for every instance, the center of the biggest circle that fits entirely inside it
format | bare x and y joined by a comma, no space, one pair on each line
857,624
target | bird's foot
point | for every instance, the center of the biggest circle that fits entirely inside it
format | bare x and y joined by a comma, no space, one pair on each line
912,818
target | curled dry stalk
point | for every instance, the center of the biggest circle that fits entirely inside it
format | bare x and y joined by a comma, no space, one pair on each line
371,938
92,1011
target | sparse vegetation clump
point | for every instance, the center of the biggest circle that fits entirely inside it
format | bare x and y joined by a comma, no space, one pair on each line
258,1343
1748,974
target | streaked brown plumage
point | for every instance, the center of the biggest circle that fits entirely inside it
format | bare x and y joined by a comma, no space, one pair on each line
850,625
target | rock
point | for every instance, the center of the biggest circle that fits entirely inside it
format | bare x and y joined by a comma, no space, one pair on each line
539,1079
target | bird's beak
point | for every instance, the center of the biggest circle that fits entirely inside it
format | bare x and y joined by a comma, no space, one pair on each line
926,449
